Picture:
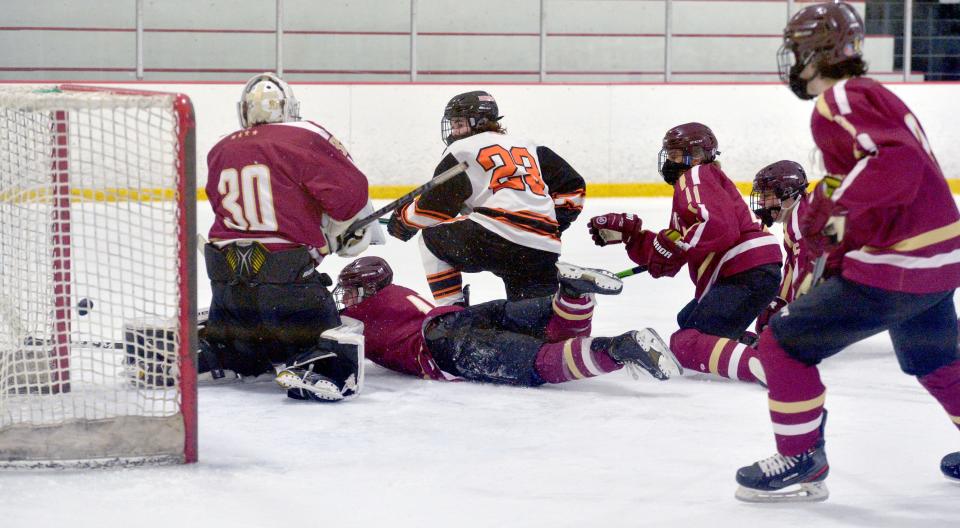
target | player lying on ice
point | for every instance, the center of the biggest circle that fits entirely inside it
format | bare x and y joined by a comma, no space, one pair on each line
528,342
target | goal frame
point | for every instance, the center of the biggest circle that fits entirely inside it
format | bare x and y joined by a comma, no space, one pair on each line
185,195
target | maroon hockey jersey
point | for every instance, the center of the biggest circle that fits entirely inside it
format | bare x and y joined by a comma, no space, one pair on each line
272,183
393,321
902,231
721,234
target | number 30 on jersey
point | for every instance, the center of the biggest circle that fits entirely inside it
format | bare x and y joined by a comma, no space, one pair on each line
248,198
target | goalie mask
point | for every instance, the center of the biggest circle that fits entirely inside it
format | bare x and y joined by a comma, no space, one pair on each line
266,98
683,147
822,34
476,109
775,184
360,280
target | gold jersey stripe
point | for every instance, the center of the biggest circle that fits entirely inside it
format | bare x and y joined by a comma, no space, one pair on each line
797,407
934,236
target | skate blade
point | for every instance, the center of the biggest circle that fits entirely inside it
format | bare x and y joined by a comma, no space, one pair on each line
603,282
667,363
323,390
807,492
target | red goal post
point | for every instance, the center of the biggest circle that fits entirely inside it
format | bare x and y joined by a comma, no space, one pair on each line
97,277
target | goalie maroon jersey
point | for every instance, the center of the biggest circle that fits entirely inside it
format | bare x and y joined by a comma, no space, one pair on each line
273,183
723,237
393,321
902,231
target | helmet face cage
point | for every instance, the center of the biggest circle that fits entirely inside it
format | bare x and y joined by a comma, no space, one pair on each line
266,98
360,280
785,180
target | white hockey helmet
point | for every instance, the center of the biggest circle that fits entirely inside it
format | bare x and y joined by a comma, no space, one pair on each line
266,98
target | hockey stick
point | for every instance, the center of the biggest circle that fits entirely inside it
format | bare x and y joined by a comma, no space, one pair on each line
35,341
632,271
403,200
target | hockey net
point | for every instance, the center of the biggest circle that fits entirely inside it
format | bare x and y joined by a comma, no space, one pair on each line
97,277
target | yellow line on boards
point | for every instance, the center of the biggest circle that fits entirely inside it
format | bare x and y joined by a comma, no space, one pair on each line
377,192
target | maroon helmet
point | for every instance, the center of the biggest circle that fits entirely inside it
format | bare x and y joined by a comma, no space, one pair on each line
822,34
361,279
695,140
784,179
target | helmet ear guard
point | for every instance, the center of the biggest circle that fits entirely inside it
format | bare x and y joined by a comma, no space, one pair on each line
266,98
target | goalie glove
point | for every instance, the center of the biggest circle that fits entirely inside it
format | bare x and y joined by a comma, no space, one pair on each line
352,244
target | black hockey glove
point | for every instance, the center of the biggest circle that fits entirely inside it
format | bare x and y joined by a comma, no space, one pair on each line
398,229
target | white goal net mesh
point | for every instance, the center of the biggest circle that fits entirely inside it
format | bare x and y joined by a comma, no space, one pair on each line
91,276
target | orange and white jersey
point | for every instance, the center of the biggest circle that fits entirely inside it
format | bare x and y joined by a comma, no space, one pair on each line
509,196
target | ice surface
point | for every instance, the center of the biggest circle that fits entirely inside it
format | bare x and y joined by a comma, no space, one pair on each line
607,452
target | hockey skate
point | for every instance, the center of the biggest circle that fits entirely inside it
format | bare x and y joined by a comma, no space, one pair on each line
304,384
950,465
786,478
577,281
644,349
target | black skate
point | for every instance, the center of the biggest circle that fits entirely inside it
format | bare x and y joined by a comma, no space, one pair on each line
644,349
576,281
950,465
786,478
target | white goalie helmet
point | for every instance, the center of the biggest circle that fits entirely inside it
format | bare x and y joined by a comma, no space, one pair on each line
266,98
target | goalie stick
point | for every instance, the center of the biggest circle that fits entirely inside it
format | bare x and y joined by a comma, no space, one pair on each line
403,200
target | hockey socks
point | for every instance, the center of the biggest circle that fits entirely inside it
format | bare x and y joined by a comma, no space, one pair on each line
572,359
572,317
944,385
716,355
446,286
796,397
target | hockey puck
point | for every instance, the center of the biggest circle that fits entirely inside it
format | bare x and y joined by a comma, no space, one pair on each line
84,306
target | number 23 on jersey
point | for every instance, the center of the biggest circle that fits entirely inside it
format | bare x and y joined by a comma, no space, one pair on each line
506,166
